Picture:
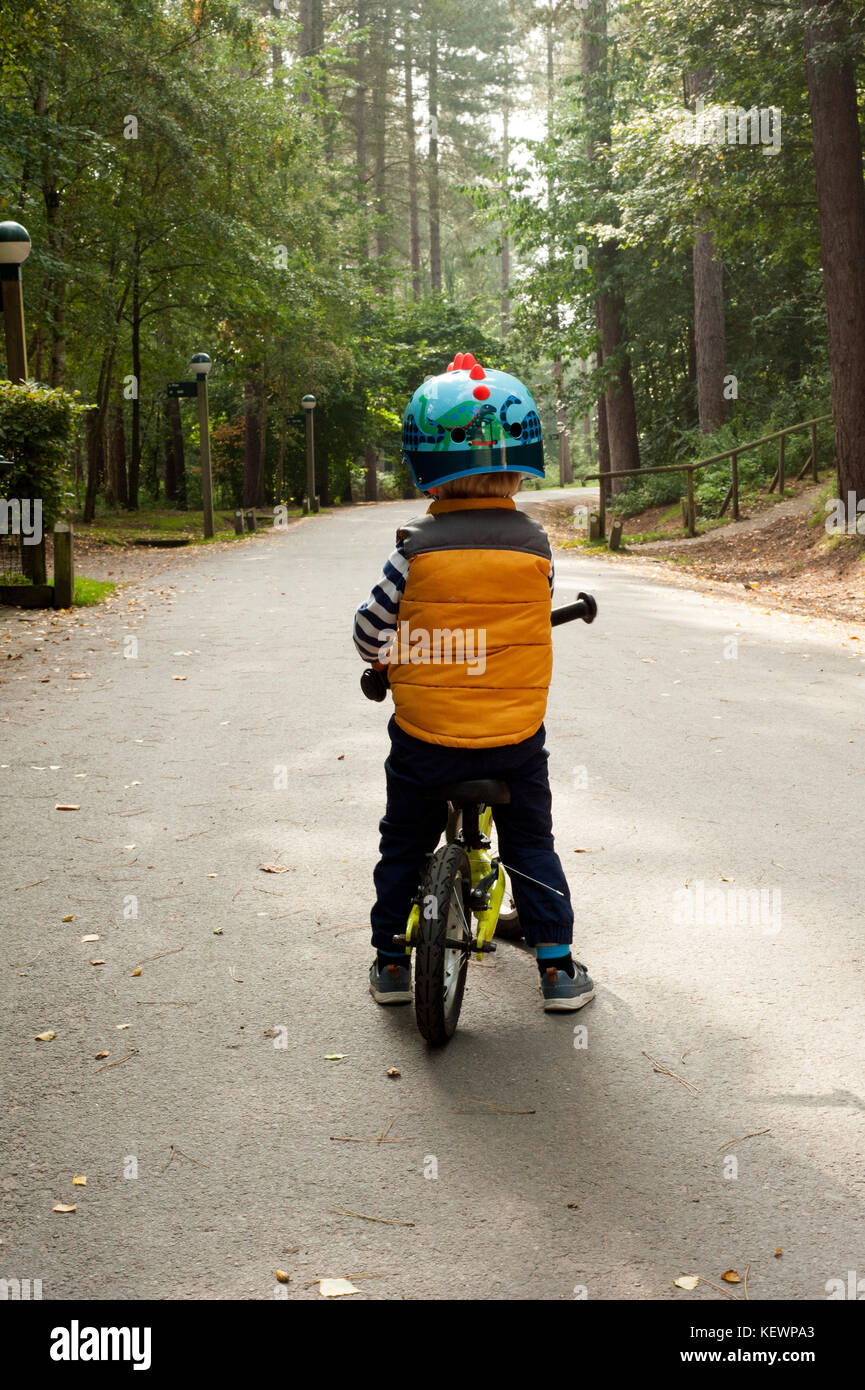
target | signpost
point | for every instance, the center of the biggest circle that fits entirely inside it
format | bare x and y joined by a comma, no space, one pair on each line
308,403
200,364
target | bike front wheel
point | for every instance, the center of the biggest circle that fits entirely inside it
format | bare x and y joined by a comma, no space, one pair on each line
440,969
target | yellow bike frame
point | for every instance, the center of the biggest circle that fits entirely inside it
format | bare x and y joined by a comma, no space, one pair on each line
481,866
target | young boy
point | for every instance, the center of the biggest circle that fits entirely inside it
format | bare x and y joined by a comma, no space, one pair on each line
472,579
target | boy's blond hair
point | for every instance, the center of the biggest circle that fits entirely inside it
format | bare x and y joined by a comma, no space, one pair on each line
481,485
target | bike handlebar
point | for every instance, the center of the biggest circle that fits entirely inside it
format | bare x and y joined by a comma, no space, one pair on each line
586,608
374,682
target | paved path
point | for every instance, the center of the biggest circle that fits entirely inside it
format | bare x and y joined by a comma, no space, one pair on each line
673,766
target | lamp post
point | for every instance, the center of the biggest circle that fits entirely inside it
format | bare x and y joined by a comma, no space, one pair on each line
14,250
201,365
308,403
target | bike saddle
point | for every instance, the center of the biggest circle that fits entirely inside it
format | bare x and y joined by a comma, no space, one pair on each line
484,790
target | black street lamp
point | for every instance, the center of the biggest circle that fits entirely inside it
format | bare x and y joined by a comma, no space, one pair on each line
14,250
308,403
201,364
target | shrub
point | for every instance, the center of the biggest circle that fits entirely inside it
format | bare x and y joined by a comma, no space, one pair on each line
37,431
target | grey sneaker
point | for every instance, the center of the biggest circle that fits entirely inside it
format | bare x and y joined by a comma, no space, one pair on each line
391,984
563,994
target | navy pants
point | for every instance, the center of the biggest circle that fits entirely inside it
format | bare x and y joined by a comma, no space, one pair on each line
412,825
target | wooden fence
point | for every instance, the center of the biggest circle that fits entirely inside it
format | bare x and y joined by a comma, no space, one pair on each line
688,503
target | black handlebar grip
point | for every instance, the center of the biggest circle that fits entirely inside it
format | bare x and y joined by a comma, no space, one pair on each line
586,608
374,684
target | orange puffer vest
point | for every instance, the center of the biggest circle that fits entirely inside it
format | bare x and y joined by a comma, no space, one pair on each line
472,659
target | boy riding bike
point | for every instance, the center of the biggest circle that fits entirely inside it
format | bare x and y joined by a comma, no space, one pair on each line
460,619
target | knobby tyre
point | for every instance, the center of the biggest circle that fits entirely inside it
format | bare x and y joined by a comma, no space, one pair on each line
440,971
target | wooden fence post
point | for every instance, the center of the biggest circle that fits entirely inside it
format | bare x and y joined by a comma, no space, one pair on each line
734,482
814,472
692,505
64,565
238,523
782,459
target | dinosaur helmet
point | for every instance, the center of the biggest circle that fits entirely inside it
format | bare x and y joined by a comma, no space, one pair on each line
471,419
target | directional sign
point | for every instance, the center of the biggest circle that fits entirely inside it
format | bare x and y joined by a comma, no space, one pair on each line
182,388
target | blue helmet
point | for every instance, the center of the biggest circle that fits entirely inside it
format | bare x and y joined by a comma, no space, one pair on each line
471,420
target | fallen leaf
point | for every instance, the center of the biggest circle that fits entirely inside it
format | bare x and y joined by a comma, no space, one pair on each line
778,1252
121,1026
217,931
687,1281
79,1182
97,962
335,1288
136,971
394,1071
60,807
99,1056
273,868
94,936
180,678
70,918
283,1277
45,1037
61,1206
573,1206
328,1056
731,1277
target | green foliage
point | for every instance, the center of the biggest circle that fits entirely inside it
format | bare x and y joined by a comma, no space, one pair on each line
37,431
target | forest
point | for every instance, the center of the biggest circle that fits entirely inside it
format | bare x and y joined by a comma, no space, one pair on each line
653,213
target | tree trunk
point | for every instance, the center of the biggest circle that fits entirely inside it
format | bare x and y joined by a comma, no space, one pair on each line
279,487
253,469
96,433
841,212
566,471
587,441
311,36
435,243
95,460
710,341
135,455
370,458
360,102
505,305
620,409
617,437
603,437
117,457
379,121
175,463
411,152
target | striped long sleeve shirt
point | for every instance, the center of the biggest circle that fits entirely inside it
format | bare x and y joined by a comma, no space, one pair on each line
375,621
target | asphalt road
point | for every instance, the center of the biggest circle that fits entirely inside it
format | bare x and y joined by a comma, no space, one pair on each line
697,745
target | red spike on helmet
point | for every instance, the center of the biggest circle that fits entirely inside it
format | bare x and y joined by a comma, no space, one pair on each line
451,367
477,372
468,359
459,361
